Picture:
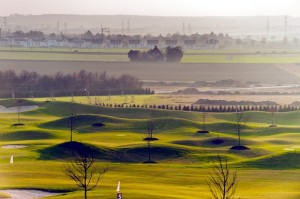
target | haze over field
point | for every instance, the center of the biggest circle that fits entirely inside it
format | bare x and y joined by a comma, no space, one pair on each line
154,7
153,17
154,25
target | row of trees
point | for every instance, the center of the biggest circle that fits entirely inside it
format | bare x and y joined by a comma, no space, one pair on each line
31,84
174,54
207,108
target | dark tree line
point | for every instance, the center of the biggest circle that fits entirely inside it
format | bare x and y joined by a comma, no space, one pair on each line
32,84
155,55
205,109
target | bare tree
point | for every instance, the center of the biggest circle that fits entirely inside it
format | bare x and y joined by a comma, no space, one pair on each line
150,128
203,130
241,121
19,110
273,110
149,138
204,115
73,119
222,181
83,171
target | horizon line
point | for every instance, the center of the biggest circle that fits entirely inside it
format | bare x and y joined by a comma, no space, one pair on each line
17,14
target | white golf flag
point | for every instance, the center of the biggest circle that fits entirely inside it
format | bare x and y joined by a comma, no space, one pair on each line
119,186
11,159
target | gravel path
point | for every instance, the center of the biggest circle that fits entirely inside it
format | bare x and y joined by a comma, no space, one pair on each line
27,194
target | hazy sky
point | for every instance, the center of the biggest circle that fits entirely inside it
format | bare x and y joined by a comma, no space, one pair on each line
153,7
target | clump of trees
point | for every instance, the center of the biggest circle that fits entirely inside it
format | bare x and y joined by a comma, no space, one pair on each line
155,55
174,54
83,83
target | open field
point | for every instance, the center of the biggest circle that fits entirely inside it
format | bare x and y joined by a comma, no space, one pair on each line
110,55
162,71
270,169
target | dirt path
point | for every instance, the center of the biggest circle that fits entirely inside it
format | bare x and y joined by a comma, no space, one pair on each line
27,194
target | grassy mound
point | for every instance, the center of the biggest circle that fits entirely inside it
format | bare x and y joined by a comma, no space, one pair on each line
290,160
25,135
202,132
213,142
240,148
150,139
224,126
254,152
158,153
18,124
66,150
98,124
210,158
80,121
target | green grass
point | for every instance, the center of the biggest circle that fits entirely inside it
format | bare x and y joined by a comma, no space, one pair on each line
121,56
270,169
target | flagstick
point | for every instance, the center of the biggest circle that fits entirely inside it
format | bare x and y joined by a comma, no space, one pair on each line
12,162
119,194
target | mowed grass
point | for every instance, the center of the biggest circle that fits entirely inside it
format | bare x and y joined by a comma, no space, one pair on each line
121,56
270,169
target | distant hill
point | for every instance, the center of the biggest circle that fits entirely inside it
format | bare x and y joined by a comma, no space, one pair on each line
256,25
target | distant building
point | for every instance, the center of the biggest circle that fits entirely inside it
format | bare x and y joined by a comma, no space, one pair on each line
212,44
171,43
25,43
38,43
54,43
115,43
134,43
5,41
151,43
97,43
189,44
76,43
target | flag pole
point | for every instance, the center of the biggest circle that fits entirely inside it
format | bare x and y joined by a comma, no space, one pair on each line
119,194
12,162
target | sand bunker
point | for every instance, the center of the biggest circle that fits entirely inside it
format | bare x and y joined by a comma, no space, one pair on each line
13,146
15,109
293,148
27,194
